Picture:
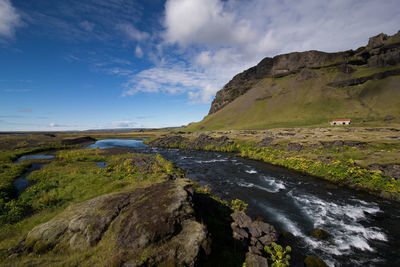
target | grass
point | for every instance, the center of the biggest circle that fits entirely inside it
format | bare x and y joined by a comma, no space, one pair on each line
295,103
71,177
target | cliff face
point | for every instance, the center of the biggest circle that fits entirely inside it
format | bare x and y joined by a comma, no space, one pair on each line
381,51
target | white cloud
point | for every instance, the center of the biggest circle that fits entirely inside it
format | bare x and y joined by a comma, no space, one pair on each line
138,51
222,38
54,125
173,80
203,59
205,22
126,124
131,32
9,19
87,26
206,42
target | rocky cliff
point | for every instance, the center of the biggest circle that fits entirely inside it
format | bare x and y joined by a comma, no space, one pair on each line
381,51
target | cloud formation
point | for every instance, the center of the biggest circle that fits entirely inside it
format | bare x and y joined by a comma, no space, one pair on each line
216,39
131,32
9,19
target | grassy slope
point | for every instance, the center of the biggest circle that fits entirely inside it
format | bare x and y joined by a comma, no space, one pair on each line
290,101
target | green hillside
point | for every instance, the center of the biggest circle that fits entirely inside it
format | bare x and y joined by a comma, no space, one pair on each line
368,93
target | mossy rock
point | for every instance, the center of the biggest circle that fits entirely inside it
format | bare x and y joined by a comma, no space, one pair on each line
288,236
311,261
320,234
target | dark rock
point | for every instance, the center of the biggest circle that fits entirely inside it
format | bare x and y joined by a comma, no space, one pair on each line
361,80
265,232
241,219
202,140
306,74
392,170
377,41
266,142
258,233
345,68
169,141
389,118
254,260
331,186
340,143
158,221
255,250
239,234
294,147
311,261
320,234
287,236
78,141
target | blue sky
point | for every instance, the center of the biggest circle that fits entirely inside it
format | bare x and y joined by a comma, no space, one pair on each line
93,64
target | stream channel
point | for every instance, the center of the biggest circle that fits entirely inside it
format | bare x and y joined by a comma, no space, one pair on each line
365,229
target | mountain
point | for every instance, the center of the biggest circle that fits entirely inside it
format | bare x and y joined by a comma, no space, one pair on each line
312,88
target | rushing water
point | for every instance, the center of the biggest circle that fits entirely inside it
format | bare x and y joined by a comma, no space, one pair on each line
365,230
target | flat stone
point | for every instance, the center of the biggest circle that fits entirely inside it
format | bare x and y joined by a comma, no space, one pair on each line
254,260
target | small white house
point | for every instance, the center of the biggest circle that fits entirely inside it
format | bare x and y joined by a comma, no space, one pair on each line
341,122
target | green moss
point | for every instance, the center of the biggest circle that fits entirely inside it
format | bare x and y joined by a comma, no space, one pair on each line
311,261
320,234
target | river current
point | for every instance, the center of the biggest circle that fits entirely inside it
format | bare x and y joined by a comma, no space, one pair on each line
365,230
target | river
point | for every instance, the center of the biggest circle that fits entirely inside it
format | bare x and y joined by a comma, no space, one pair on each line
364,229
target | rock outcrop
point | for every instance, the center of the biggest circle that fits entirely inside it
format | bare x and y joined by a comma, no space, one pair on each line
78,140
392,170
382,50
142,227
254,235
201,142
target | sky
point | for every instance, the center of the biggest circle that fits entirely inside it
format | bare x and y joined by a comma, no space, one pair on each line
96,64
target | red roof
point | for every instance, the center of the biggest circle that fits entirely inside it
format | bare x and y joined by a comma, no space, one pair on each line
343,120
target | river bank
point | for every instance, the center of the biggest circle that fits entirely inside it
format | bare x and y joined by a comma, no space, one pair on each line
367,227
362,159
136,209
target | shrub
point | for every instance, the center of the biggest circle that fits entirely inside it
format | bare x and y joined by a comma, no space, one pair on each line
278,255
238,205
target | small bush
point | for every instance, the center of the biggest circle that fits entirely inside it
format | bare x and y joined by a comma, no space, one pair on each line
278,255
238,205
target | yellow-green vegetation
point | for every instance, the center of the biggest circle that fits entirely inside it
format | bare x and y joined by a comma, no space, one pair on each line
291,101
239,205
340,171
71,177
280,257
342,164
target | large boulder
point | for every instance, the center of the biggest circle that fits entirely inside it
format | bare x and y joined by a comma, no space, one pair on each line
145,226
254,260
